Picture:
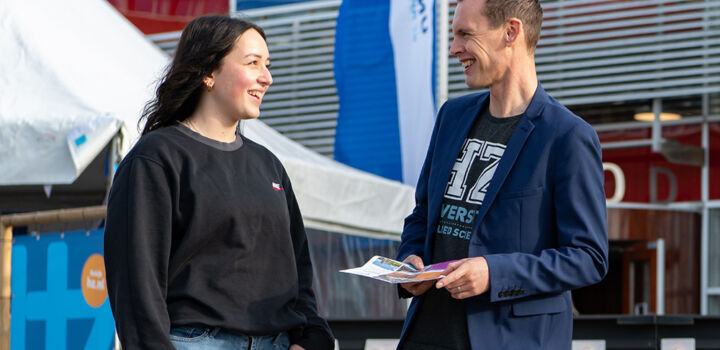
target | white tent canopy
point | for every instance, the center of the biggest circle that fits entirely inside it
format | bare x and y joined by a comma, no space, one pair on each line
73,73
333,196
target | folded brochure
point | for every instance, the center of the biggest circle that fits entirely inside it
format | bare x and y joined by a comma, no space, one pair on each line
393,271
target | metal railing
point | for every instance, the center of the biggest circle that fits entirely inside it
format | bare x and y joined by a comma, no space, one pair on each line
589,52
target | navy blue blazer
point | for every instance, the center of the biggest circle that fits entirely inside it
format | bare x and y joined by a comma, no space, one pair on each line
541,227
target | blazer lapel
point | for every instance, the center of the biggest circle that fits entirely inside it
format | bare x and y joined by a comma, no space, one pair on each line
454,133
458,129
512,151
515,145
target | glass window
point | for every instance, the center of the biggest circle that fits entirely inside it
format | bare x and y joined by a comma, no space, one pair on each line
714,250
614,112
714,104
714,305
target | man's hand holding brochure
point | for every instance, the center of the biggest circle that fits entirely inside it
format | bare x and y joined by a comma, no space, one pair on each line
393,271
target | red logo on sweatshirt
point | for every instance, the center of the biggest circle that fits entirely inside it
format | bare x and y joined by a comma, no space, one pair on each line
276,186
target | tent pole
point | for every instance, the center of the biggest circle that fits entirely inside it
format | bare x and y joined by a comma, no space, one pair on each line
443,42
114,159
5,291
24,219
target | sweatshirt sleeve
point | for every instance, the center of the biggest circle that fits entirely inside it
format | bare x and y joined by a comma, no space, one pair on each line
316,333
137,249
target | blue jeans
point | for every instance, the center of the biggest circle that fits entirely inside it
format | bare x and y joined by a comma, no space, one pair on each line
188,338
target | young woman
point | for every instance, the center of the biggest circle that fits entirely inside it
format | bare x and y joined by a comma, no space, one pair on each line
204,242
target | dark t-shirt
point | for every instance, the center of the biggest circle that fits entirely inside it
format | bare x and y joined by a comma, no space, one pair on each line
441,321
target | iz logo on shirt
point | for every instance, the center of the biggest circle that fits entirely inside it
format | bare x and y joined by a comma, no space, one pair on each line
474,150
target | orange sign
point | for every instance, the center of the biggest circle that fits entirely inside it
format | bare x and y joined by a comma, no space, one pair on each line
94,286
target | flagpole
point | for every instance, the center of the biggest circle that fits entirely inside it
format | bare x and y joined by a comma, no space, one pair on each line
443,28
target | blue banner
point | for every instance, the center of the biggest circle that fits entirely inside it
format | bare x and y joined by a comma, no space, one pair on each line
367,133
59,293
384,73
251,4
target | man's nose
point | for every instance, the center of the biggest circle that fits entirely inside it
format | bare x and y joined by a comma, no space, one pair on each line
455,47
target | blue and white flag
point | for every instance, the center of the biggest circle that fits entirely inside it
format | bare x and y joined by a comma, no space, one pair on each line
384,73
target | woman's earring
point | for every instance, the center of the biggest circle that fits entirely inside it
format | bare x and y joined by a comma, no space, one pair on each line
209,87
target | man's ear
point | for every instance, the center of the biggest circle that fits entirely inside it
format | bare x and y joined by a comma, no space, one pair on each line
513,31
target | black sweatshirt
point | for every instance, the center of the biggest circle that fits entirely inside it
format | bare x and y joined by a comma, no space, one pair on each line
205,233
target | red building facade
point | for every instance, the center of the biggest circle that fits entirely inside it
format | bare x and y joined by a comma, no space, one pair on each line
160,16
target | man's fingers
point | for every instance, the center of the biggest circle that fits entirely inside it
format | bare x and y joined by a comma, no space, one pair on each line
413,284
458,271
423,287
417,288
461,295
410,285
453,265
415,261
450,270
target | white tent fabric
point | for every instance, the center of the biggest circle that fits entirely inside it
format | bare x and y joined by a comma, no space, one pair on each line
75,72
71,73
333,196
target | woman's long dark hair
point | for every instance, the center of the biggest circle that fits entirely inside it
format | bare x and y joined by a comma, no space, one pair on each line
204,42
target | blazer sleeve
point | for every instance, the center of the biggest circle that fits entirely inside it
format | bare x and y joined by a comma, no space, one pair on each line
414,232
316,333
415,229
578,199
137,253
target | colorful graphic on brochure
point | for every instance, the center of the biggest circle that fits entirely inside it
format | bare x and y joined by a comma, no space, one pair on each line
393,271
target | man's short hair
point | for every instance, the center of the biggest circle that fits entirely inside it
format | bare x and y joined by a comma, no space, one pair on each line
528,11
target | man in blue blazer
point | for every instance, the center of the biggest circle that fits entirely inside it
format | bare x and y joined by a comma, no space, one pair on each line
512,189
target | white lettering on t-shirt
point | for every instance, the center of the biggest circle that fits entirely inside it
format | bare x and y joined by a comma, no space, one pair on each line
474,150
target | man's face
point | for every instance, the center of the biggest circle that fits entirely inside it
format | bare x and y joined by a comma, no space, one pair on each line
480,48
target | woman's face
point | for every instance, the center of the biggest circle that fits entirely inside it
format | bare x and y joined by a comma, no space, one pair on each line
242,79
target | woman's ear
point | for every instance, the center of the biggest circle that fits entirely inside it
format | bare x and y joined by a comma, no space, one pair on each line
209,82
